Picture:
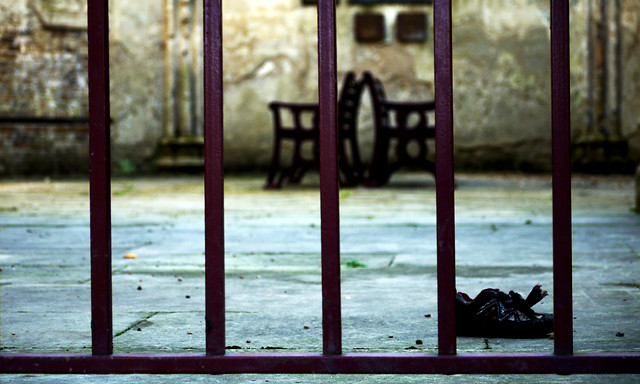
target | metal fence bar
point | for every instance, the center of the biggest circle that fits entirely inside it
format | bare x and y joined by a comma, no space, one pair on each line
329,209
100,179
370,363
214,180
444,178
561,137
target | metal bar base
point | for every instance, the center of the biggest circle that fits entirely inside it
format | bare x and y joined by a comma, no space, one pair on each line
301,363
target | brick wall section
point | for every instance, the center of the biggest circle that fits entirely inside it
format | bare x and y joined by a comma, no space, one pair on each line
43,73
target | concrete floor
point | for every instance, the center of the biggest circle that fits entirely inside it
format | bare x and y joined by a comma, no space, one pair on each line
503,240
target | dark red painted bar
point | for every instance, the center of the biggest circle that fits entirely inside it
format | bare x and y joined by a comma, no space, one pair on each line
444,177
561,126
213,179
409,363
329,209
100,206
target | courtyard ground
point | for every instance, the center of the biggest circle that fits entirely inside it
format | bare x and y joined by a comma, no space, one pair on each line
273,285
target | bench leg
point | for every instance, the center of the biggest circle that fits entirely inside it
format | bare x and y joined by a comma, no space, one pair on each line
274,168
378,174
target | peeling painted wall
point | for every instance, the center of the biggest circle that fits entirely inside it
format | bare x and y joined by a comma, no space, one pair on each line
501,78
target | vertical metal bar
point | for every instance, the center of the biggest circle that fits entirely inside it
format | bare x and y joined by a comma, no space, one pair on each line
329,209
100,179
561,127
214,179
444,178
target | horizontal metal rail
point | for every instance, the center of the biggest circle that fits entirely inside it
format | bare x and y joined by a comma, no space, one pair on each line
215,360
371,363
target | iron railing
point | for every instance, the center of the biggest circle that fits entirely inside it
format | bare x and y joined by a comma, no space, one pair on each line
331,360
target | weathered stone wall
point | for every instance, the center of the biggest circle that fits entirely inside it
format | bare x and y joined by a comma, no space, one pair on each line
631,77
502,84
501,71
43,74
136,81
271,53
501,78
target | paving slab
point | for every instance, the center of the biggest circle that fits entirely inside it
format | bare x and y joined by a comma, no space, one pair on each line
273,285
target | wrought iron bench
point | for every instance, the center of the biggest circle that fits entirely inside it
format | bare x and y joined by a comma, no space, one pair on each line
403,125
302,128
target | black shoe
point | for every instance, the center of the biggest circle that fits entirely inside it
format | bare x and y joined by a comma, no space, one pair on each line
493,313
